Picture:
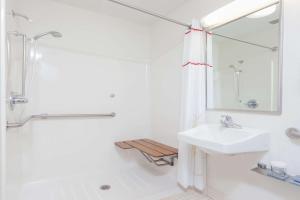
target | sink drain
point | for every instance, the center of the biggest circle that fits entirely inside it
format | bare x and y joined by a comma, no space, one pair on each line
105,187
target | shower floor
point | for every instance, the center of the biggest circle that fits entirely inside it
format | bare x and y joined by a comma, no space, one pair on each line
135,183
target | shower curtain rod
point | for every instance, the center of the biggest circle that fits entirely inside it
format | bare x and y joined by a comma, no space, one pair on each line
183,24
245,42
151,13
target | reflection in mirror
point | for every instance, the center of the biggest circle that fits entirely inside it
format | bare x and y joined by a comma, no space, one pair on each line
246,69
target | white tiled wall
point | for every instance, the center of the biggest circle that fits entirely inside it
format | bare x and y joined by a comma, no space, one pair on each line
97,56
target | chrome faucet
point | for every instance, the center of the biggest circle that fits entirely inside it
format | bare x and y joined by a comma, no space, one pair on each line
227,122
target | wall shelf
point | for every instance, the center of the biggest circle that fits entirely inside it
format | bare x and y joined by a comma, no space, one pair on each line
267,172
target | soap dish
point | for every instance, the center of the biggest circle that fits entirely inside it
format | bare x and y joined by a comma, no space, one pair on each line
294,182
280,177
296,178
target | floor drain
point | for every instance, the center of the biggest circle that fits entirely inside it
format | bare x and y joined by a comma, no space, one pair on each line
105,187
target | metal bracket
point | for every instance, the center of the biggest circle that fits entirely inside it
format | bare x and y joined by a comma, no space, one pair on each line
163,161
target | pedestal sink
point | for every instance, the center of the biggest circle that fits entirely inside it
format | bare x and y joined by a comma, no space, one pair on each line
216,139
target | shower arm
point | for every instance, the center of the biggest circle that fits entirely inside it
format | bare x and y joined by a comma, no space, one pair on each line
56,116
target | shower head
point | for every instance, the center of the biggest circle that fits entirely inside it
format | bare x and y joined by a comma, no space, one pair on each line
16,14
52,33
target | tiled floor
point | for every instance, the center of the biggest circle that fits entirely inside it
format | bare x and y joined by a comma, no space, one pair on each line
135,183
189,195
130,184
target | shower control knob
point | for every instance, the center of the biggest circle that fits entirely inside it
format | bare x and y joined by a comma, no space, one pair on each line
18,100
252,104
13,100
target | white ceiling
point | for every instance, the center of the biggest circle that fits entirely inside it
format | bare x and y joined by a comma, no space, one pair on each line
103,6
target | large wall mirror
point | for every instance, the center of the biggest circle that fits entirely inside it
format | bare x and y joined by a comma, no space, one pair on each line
247,63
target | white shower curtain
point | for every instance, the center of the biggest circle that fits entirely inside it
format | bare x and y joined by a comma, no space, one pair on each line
191,161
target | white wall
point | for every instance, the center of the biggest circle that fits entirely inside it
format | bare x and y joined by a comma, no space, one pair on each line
97,56
86,31
230,177
68,82
2,100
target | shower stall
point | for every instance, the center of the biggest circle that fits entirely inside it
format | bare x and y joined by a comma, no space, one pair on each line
78,80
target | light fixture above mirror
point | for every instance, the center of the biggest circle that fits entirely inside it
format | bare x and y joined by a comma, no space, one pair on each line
235,10
263,13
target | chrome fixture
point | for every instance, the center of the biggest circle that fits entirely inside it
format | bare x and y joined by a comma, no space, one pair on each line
246,42
52,33
16,14
164,161
289,179
275,21
227,122
24,60
252,103
57,116
16,98
262,165
236,76
105,187
188,25
150,13
293,133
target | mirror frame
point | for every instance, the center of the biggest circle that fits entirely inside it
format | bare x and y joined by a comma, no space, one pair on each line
280,70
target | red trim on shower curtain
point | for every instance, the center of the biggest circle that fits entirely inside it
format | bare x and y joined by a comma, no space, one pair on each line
197,64
200,30
194,63
193,29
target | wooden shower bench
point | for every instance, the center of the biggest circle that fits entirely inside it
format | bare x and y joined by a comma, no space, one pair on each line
155,152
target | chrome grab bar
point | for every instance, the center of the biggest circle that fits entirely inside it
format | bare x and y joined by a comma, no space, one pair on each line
293,133
56,116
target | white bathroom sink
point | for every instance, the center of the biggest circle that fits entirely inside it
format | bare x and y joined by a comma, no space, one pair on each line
216,139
